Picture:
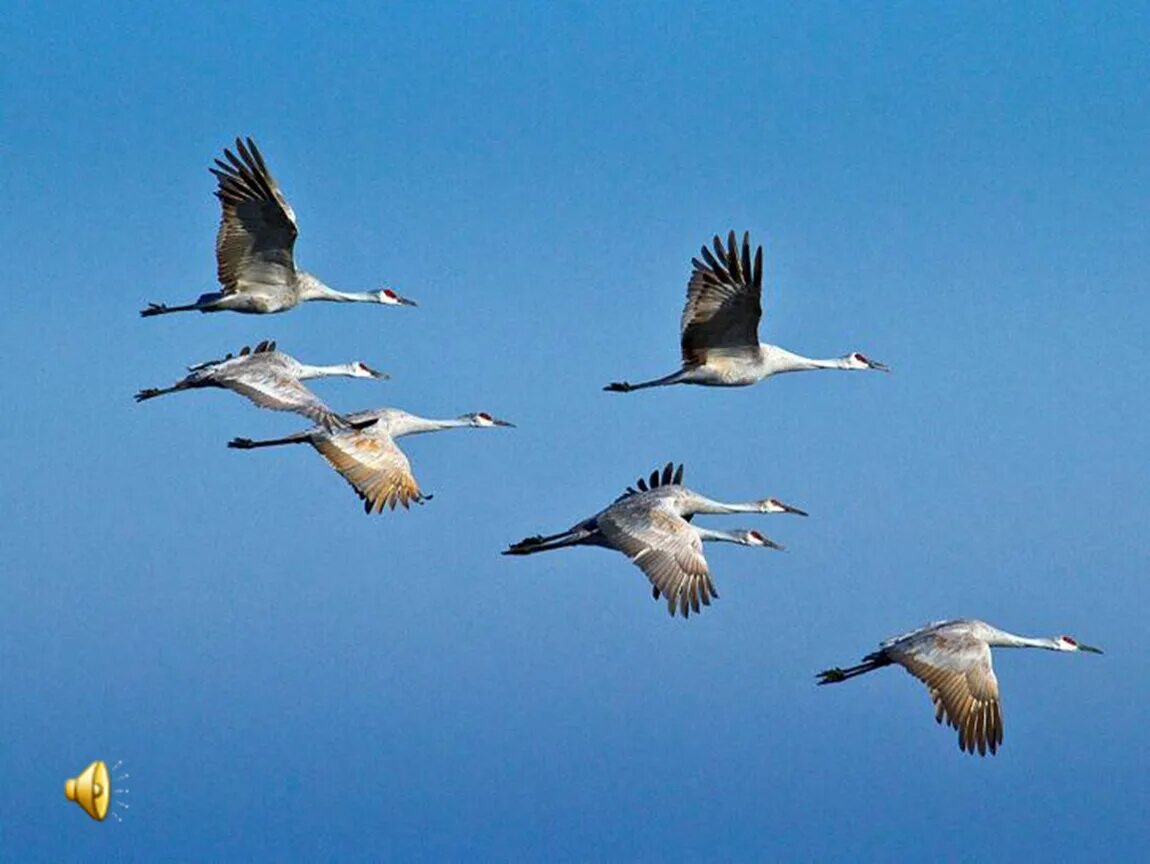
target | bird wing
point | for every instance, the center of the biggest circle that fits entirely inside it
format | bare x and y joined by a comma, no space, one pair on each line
664,546
724,301
375,467
958,673
266,383
257,226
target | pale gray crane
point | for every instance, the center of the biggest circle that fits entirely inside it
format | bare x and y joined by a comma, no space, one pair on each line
255,261
366,455
651,526
952,658
270,379
719,330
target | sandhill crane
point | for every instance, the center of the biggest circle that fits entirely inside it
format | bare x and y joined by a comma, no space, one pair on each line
953,659
719,330
651,526
269,378
254,257
366,455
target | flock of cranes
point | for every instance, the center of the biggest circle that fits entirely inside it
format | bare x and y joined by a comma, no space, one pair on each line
652,523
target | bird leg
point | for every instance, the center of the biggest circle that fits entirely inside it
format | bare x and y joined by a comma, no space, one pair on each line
161,309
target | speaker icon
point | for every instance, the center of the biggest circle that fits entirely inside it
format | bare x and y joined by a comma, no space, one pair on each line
92,790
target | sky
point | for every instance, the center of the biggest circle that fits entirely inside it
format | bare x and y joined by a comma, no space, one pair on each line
958,190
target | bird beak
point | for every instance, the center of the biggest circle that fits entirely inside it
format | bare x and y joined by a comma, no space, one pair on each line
771,544
383,376
499,422
1089,648
403,301
787,508
881,367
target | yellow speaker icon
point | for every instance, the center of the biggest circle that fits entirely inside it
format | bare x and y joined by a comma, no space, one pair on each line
92,790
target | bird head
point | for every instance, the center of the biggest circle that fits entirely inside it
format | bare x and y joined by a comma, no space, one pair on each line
855,360
774,505
1066,643
390,298
754,538
482,418
362,370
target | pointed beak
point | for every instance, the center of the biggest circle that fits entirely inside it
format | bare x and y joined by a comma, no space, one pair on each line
1090,648
375,373
404,301
881,367
787,508
499,422
771,544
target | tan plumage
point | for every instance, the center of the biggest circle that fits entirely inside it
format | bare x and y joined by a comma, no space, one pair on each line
374,466
953,660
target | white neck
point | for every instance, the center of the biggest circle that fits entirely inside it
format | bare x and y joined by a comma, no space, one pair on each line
722,536
311,288
779,360
1002,639
409,424
308,371
699,504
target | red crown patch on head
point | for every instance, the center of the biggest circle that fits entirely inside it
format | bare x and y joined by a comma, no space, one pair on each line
483,415
1068,639
390,293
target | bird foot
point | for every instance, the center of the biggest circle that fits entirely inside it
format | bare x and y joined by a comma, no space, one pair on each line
832,676
241,443
153,309
618,387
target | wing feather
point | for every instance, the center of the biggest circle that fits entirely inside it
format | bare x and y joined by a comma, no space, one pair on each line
374,466
724,302
256,237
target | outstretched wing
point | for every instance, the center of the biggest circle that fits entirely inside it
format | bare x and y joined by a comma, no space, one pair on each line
375,467
265,377
257,226
664,546
724,301
958,673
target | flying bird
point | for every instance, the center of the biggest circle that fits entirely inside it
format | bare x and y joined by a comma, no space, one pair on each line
719,330
254,247
952,658
651,525
366,455
270,379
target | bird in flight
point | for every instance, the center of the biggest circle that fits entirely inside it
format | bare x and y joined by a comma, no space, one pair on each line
270,379
366,455
651,525
952,658
719,330
255,261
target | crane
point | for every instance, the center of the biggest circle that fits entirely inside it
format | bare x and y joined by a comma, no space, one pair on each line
269,378
952,658
719,330
651,525
254,247
366,455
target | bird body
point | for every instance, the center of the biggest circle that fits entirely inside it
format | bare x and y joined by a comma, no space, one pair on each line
651,526
720,325
255,246
953,659
270,379
366,456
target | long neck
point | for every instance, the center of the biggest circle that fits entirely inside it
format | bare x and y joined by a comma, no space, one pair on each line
699,504
781,360
309,371
721,536
311,288
409,424
1003,639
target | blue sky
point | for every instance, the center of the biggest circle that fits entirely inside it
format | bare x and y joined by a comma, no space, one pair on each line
961,192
